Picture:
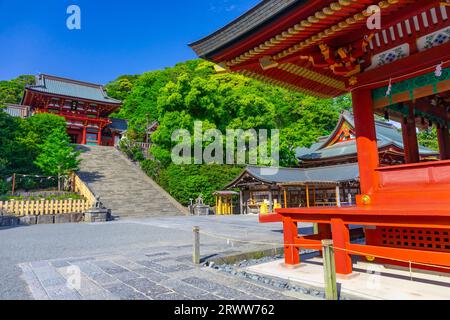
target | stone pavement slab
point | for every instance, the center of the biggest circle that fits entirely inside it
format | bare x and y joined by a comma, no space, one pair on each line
111,255
103,279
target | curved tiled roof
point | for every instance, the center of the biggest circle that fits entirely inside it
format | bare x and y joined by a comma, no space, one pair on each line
324,175
252,19
387,134
118,124
71,88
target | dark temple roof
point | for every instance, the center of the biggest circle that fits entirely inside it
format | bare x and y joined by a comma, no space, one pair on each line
120,125
71,88
257,17
387,135
320,175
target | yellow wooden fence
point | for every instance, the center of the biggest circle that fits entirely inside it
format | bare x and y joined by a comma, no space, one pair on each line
46,207
22,208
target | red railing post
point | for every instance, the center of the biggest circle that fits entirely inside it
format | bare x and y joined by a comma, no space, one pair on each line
341,237
291,252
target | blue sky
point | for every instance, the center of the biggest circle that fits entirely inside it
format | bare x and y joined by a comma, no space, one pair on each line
116,37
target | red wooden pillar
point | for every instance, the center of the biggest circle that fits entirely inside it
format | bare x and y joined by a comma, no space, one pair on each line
325,231
291,253
409,131
366,139
83,139
341,236
99,136
444,142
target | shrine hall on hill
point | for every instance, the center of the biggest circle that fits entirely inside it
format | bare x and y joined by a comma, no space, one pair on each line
85,106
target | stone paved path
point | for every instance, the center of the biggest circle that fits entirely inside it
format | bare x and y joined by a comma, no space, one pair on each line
132,259
147,274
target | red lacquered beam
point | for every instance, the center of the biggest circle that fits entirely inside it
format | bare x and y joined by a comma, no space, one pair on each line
270,218
404,255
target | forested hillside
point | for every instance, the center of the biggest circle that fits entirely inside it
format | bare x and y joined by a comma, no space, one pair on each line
192,91
176,97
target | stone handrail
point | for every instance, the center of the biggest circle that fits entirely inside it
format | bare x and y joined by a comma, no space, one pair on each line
81,188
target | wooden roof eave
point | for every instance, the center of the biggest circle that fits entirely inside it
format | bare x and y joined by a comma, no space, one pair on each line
309,183
235,182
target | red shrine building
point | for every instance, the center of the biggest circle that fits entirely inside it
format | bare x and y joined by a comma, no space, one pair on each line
340,146
85,106
400,71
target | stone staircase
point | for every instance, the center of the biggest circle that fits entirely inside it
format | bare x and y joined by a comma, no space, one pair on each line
123,187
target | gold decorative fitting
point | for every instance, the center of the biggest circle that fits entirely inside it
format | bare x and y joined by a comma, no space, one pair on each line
383,4
359,17
267,63
353,81
313,19
328,11
344,2
366,200
367,13
335,6
335,28
305,23
320,15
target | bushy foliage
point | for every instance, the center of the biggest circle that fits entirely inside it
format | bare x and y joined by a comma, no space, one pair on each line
191,91
11,91
57,156
428,138
185,182
20,146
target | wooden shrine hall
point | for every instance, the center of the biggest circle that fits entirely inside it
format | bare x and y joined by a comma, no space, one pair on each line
327,173
85,106
400,71
340,146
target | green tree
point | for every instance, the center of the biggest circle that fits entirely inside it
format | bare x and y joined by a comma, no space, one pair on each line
185,182
34,130
12,91
428,138
121,87
191,91
58,157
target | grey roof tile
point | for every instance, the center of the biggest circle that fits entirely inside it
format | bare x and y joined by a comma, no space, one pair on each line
387,134
70,88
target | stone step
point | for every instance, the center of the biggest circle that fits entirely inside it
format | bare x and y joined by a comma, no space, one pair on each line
123,187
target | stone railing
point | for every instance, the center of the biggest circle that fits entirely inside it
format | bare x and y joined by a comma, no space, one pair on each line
81,188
